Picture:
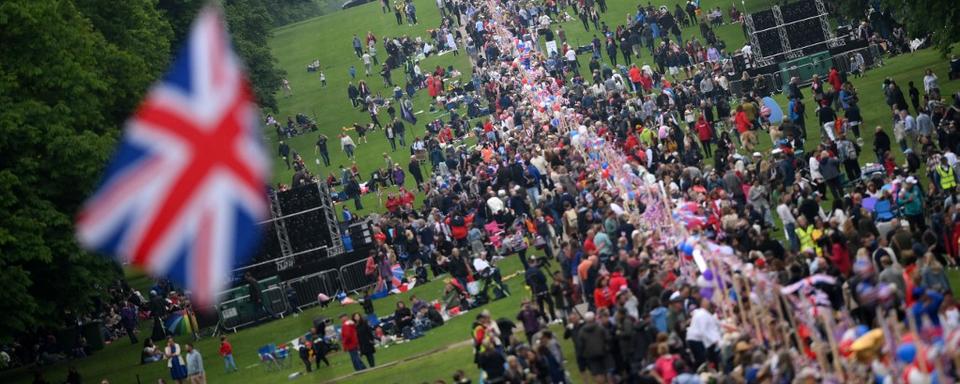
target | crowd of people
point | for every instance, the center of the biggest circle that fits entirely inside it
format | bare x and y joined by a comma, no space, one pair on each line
120,314
683,253
696,255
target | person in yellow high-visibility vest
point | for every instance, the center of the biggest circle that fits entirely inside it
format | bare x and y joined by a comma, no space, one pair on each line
805,232
816,234
948,179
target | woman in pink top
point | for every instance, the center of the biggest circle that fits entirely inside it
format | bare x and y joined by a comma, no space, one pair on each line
663,366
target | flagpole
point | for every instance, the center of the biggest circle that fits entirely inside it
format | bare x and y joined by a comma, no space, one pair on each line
828,323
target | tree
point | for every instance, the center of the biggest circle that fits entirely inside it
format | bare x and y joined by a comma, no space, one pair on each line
249,22
66,85
72,72
933,19
141,37
250,25
284,12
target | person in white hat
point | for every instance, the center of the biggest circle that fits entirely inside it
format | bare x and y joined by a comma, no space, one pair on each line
910,199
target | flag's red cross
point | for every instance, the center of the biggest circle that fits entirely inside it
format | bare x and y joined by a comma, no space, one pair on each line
209,150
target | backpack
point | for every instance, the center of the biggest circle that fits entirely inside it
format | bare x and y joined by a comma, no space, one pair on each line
851,151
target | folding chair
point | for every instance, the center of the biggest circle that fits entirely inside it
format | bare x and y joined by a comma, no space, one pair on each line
281,354
267,359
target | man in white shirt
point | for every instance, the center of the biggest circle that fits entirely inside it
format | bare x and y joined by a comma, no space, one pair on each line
909,128
490,274
706,86
544,21
703,334
930,82
747,52
367,62
347,145
418,146
480,264
571,57
598,90
924,123
495,203
195,366
789,222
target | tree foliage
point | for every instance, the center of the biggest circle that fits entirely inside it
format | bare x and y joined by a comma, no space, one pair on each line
71,74
249,22
933,19
65,86
936,18
284,12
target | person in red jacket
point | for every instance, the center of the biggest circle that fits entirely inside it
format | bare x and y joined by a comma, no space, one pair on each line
647,82
226,351
743,124
458,229
952,236
406,197
834,79
392,204
603,296
840,255
617,280
351,344
636,78
705,135
631,143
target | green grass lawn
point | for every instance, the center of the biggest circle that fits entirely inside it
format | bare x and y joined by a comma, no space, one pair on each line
118,362
328,38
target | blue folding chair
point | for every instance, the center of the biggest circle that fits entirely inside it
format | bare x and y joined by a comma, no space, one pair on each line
281,354
267,359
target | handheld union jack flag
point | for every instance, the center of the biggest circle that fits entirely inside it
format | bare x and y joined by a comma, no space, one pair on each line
184,191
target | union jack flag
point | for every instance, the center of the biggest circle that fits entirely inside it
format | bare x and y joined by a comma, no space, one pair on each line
182,196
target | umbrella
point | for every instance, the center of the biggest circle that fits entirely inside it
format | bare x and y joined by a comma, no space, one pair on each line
776,114
180,323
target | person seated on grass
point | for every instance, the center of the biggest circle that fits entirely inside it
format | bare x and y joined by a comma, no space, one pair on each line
416,304
453,294
403,317
150,353
422,323
490,274
460,377
421,272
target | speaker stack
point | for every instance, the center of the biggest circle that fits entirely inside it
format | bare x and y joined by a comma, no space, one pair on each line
788,31
301,232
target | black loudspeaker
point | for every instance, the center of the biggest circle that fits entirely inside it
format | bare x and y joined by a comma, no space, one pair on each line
769,41
306,230
361,234
764,20
804,33
798,11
